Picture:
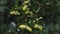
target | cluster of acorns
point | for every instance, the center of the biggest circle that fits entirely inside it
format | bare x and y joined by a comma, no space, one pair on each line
36,26
25,7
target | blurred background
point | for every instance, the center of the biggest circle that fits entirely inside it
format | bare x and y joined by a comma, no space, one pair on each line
42,12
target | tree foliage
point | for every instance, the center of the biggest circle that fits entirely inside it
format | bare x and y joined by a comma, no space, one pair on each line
29,16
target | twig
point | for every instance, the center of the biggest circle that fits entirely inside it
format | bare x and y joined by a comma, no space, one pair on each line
38,9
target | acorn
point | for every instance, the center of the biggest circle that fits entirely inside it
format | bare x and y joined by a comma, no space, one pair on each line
31,13
40,27
22,26
14,13
26,2
36,26
37,19
25,27
25,7
28,28
26,12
